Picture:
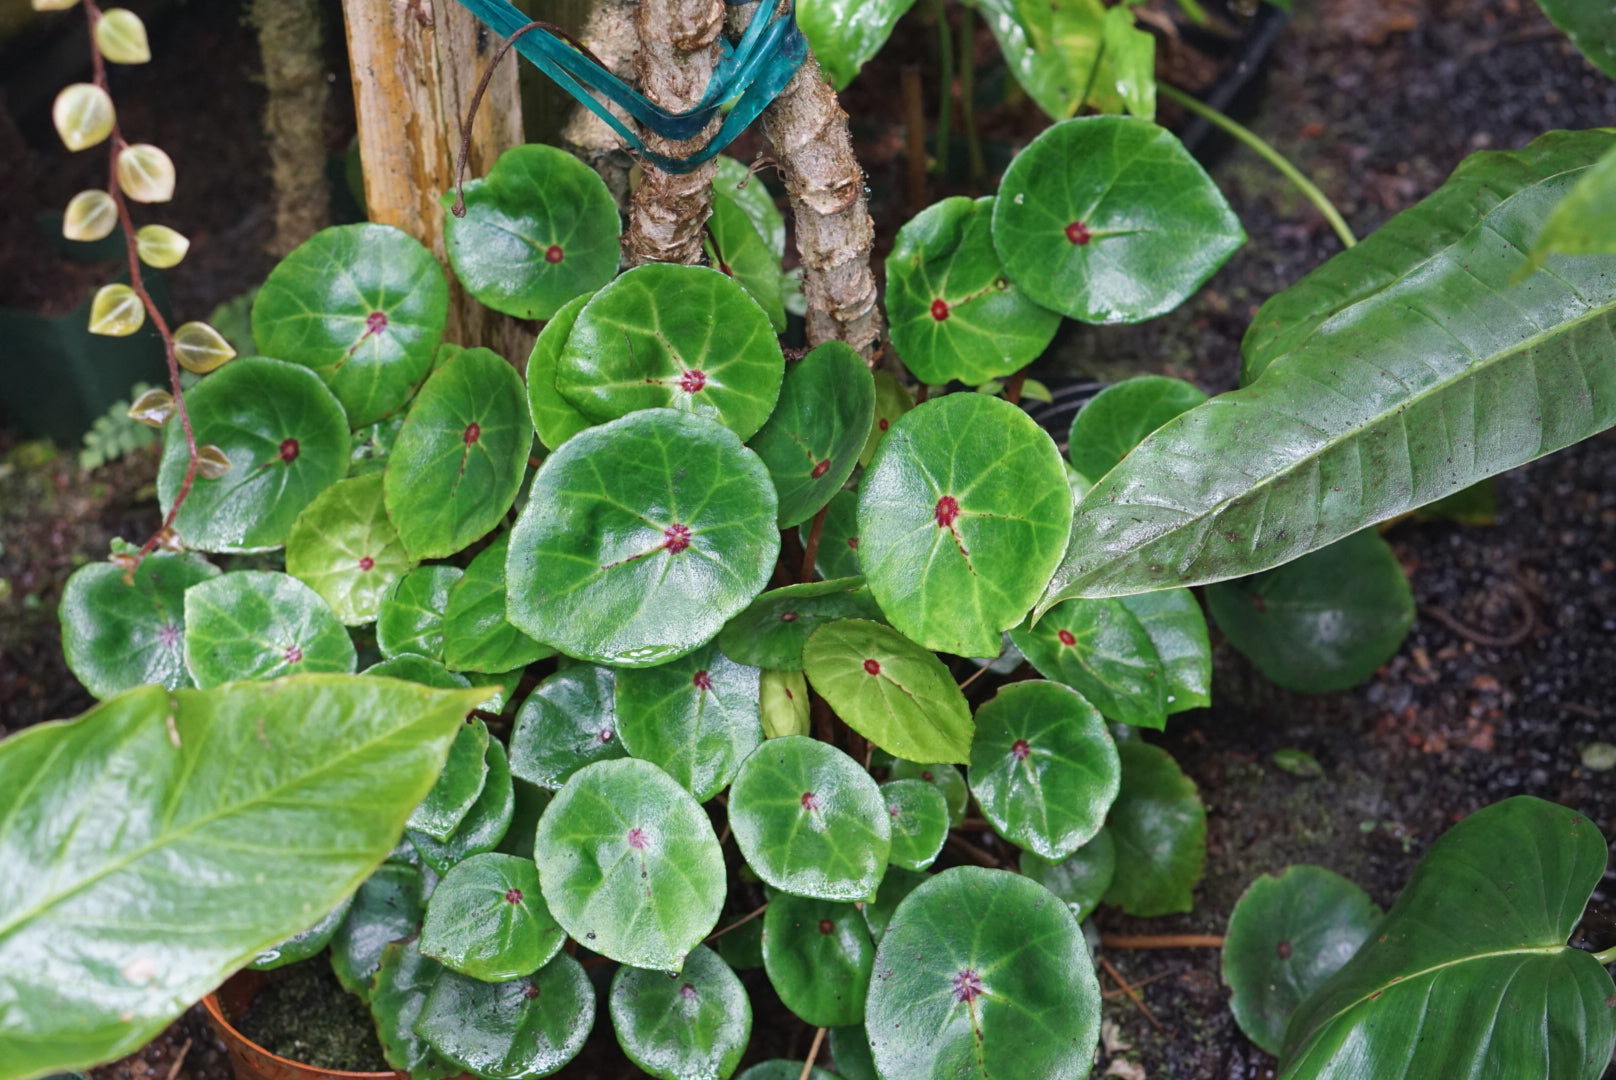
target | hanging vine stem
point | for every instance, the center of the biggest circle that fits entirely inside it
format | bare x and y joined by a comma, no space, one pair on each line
1607,957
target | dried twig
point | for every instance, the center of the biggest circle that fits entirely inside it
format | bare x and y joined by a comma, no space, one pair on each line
1161,941
716,934
1133,994
813,1055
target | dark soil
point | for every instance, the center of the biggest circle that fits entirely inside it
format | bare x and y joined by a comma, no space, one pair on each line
303,1014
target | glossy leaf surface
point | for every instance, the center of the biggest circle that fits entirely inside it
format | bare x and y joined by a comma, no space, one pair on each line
892,400
1584,222
783,704
403,980
412,618
771,632
897,884
919,816
1118,418
1054,49
694,1026
1177,628
484,825
487,919
344,548
1590,25
1082,878
476,634
944,777
569,721
1101,650
812,440
838,539
696,718
116,636
818,956
512,1030
782,1069
554,418
1159,828
304,943
458,786
735,182
253,624
846,33
741,251
387,908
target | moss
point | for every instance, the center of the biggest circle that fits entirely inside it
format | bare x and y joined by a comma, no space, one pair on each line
304,1014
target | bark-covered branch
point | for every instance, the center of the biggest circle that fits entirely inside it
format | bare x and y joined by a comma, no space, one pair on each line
611,36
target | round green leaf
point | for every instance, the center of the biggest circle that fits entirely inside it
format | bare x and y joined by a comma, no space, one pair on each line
540,229
1099,649
1081,878
386,908
809,820
460,456
364,306
569,721
487,919
955,314
464,775
784,704
890,690
667,336
411,620
1043,767
253,624
919,822
630,865
1109,219
983,974
1177,628
694,1026
1287,935
850,1051
344,548
116,636
897,884
963,516
402,982
418,669
286,439
892,400
554,418
944,777
305,943
771,632
1118,418
1324,622
781,1069
695,718
484,825
513,1030
739,250
641,538
812,440
1159,827
476,634
818,955
838,538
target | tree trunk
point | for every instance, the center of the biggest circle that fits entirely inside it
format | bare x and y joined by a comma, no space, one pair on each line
289,37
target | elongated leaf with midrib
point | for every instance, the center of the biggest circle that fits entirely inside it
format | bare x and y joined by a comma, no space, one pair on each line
1397,373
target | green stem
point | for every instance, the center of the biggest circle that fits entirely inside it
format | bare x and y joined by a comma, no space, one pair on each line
1267,153
1607,957
945,107
967,70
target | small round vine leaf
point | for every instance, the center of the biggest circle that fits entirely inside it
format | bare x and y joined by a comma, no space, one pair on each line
810,821
287,441
1082,878
1288,934
487,919
411,620
1159,827
344,548
364,307
460,456
981,974
485,824
783,704
680,337
554,418
476,634
963,516
783,1069
386,908
696,718
771,632
1324,622
418,669
304,944
1098,648
812,440
1044,768
818,956
569,721
693,1026
1118,418
1108,219
850,1051
540,229
1177,628
514,1030
944,777
116,636
254,624
890,690
399,992
919,822
955,314
458,785
838,538
641,538
892,400
739,250
630,865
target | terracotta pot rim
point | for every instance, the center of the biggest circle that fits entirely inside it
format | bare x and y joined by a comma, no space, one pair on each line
216,1011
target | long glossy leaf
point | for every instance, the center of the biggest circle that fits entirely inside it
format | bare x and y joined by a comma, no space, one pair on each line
164,839
1399,372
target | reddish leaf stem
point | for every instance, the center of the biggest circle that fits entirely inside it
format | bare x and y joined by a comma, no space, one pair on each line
1012,389
1161,941
811,554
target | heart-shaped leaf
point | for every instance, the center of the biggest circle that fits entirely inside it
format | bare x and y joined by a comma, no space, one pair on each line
1159,827
818,955
955,314
1118,418
694,1026
304,943
116,635
458,786
1324,622
516,1030
569,721
1043,767
919,822
484,825
680,337
1109,219
487,919
411,620
364,307
846,33
1101,650
1287,935
253,624
402,982
630,865
890,690
739,250
771,632
963,515
387,908
460,456
286,439
1082,878
837,556
1481,928
944,777
809,820
695,718
476,634
540,229
892,400
554,418
344,548
641,538
983,974
1177,629
812,440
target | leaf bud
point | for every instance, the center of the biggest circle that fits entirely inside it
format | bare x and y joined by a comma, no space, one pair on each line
145,173
121,37
116,311
153,408
90,216
83,115
200,348
160,246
